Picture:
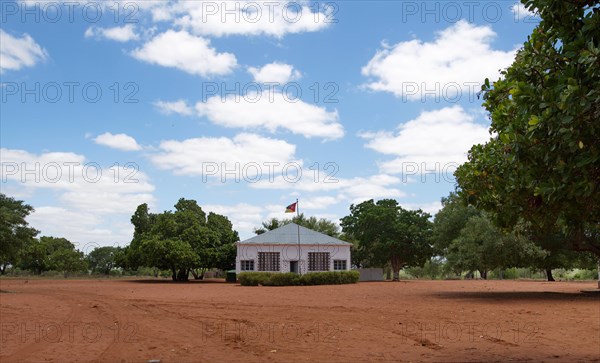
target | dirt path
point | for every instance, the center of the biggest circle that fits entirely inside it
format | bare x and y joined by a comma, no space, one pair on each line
145,321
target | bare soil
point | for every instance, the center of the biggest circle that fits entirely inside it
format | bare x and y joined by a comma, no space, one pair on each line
155,320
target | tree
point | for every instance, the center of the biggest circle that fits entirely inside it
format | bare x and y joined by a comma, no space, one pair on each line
467,238
102,259
182,241
53,254
449,221
322,225
481,246
388,233
543,164
15,233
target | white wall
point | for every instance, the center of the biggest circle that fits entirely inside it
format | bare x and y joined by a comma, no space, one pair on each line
289,253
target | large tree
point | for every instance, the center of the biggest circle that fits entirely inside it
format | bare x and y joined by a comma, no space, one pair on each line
542,165
182,241
15,233
53,254
388,233
103,259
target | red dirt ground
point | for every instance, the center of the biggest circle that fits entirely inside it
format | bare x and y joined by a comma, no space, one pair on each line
151,321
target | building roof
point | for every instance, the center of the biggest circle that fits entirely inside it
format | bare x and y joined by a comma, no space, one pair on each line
288,235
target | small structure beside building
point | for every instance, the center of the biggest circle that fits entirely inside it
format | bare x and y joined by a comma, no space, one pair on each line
292,248
371,274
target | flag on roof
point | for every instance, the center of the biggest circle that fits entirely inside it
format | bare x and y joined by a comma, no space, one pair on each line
291,208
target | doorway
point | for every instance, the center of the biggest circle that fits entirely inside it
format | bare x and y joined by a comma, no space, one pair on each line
294,266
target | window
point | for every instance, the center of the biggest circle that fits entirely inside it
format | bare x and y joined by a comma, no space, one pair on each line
247,265
268,261
318,261
339,265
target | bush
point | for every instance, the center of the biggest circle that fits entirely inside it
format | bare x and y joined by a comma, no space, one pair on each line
292,279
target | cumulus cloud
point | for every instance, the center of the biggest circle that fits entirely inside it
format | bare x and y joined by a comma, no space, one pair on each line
186,52
122,142
210,156
272,111
275,72
19,52
459,58
440,137
92,199
121,34
522,13
354,190
177,107
250,18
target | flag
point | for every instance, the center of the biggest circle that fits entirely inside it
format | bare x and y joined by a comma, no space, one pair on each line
291,208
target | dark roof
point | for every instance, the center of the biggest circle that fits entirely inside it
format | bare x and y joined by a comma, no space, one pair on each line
288,235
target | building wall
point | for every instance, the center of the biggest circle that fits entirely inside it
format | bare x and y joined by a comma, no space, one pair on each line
289,253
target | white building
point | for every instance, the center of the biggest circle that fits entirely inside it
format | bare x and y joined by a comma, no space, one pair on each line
292,248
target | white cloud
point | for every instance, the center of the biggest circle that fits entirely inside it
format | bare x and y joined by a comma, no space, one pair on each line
200,156
521,13
354,190
118,141
243,216
272,111
16,53
275,72
431,208
82,183
94,202
84,228
442,136
253,18
460,57
179,107
122,34
319,202
191,54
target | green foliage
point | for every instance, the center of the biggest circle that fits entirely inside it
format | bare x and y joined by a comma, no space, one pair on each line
543,164
180,241
322,225
103,259
53,254
432,269
15,233
388,233
449,221
292,279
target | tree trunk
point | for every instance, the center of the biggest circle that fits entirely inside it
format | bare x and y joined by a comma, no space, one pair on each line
174,274
549,275
196,277
396,265
599,273
183,274
155,272
483,274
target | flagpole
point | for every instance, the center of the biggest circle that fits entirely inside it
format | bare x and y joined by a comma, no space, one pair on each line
299,249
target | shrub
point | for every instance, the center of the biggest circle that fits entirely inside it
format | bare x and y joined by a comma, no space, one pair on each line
284,279
292,279
254,278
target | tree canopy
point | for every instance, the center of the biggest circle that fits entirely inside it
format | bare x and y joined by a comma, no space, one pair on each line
386,232
181,241
15,233
542,165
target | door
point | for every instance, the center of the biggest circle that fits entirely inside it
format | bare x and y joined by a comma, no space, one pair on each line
294,266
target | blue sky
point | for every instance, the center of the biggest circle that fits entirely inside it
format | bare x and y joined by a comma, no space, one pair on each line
106,105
